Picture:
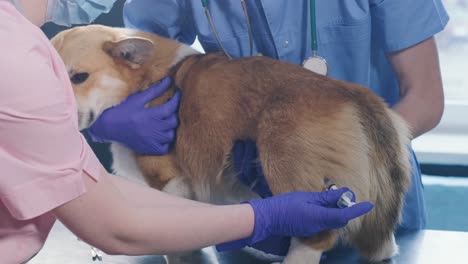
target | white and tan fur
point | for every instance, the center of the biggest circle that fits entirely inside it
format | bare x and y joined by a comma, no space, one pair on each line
308,129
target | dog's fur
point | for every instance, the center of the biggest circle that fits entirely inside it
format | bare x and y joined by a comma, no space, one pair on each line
308,128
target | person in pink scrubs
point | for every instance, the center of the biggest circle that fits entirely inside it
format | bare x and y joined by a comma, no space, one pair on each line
49,172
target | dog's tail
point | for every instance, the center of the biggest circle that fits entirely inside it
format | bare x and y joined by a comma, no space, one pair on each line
389,179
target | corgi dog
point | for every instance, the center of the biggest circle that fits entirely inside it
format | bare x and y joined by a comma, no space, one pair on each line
308,128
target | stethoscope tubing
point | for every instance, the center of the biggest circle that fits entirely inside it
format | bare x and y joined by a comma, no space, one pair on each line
313,32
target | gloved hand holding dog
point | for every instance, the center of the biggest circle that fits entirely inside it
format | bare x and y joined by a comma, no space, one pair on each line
148,131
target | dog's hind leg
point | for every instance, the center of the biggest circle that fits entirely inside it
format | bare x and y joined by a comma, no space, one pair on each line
375,239
289,174
299,252
391,174
387,250
308,150
376,248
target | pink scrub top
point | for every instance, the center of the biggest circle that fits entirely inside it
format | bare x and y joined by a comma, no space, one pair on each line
43,156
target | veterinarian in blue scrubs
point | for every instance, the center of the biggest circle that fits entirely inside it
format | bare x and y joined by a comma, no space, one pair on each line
386,45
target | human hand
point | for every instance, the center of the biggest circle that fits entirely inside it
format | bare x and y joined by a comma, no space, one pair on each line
298,214
147,131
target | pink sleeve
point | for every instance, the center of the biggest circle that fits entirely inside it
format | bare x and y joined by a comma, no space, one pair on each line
42,153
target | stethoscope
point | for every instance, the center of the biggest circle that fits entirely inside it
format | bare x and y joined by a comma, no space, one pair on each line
314,63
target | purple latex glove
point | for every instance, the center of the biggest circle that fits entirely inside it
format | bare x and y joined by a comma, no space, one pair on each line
148,131
276,245
298,214
250,173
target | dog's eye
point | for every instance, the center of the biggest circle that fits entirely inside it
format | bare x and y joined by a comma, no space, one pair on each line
78,78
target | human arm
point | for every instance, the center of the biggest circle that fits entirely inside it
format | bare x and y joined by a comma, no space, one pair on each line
117,226
141,195
120,227
408,41
422,98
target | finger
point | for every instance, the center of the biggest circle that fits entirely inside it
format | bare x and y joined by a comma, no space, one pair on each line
353,197
160,149
165,137
357,210
342,216
153,91
169,123
330,198
167,109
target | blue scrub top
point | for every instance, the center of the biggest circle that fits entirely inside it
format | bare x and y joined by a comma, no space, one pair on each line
353,36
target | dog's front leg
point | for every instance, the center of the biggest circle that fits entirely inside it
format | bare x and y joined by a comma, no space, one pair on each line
301,253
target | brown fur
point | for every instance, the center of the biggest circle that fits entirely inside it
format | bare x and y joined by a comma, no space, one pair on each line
307,127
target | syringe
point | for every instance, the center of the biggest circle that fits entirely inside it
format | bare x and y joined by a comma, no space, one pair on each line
345,199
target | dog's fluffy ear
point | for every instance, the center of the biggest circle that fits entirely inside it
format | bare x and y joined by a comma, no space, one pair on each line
134,52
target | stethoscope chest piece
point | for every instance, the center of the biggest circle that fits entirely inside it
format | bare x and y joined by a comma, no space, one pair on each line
316,64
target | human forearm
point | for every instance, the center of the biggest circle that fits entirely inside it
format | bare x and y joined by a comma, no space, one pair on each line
422,99
423,119
181,230
117,226
104,218
182,224
143,196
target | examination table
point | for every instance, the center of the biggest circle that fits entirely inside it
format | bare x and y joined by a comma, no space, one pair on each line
423,247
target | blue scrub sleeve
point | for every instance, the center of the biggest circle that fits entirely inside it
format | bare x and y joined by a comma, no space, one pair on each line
167,18
399,24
